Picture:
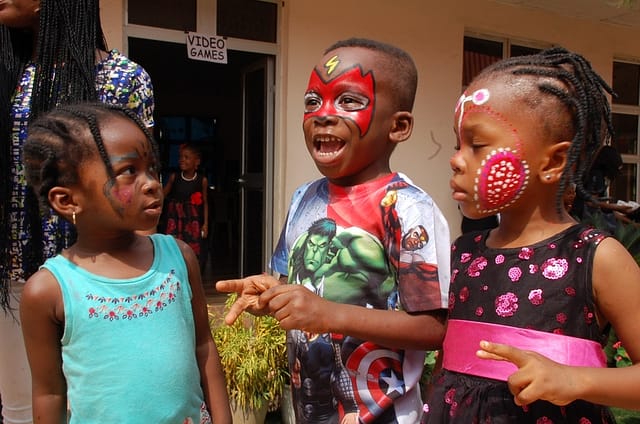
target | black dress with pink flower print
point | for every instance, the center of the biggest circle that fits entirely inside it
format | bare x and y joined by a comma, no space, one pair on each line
544,287
184,212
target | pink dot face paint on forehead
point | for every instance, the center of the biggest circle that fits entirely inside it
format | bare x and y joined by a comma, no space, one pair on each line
478,97
330,94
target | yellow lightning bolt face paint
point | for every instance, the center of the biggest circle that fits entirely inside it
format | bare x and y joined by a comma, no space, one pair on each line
332,64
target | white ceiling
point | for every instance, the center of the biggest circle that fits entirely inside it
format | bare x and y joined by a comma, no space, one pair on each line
617,12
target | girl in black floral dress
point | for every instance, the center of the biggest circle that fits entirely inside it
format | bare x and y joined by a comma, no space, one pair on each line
531,300
186,206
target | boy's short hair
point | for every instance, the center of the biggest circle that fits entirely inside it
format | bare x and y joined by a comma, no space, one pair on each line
398,66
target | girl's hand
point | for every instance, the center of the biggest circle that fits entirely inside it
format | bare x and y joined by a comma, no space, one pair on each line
204,231
537,377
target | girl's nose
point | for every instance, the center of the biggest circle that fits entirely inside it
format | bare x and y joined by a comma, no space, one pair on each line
456,163
152,184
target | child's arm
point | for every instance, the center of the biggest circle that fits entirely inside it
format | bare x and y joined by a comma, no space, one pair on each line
211,374
249,290
169,184
205,223
42,315
616,285
295,306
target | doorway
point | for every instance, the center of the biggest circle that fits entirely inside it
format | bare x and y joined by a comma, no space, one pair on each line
227,110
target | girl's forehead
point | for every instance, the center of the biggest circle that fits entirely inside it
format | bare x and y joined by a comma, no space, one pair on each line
121,132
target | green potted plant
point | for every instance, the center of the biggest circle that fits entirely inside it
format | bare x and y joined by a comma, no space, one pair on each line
253,356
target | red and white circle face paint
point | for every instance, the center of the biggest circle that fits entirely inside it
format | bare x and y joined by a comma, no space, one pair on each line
502,177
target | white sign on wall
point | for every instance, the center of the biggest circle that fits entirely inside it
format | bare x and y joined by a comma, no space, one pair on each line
209,48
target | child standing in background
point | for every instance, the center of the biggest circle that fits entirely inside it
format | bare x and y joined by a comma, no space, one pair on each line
186,204
117,324
363,257
527,128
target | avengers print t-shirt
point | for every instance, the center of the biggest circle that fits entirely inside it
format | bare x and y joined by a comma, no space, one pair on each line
376,245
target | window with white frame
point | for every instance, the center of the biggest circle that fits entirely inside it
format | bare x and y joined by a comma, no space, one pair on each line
626,114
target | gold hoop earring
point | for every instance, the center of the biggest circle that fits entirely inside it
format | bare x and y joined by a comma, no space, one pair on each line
73,217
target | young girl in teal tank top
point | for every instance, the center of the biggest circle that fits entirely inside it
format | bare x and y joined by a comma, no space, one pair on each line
116,326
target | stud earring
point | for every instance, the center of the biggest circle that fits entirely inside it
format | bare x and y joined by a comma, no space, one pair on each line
73,217
547,177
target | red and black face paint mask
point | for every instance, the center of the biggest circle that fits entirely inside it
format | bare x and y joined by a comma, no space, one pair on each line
348,95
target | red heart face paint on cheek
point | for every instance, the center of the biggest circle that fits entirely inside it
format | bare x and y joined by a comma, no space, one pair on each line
124,195
331,95
501,180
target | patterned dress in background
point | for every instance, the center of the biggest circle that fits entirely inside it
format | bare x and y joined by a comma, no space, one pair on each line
184,211
545,287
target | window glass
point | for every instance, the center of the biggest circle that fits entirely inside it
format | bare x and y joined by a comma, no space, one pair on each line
478,54
163,14
626,80
626,114
625,139
248,19
522,50
623,187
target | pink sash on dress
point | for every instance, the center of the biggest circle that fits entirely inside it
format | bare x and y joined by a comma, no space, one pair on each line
462,341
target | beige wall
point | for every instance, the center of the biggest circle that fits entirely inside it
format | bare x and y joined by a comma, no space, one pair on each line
432,32
112,16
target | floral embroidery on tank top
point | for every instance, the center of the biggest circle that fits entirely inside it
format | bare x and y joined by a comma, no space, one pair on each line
135,306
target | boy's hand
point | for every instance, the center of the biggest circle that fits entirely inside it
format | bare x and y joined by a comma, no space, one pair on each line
297,307
249,289
537,377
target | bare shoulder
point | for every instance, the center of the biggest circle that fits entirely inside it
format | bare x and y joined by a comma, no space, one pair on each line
611,257
615,276
185,248
42,295
189,256
42,284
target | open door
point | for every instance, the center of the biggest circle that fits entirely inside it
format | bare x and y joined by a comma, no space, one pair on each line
256,174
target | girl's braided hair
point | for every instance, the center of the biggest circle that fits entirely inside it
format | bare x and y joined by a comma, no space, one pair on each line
58,144
569,78
70,33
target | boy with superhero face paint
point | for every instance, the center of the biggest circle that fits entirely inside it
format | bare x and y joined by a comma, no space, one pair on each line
375,296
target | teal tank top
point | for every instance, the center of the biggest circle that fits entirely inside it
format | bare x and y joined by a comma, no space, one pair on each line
128,347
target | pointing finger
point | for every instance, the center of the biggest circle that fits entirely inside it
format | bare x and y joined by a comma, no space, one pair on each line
230,286
502,352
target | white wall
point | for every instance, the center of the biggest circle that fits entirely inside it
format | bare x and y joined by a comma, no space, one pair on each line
432,33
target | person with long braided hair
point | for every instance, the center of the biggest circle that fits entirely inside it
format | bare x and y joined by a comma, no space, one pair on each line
115,326
531,301
52,52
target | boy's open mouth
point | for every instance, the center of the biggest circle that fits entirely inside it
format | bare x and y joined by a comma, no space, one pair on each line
326,145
